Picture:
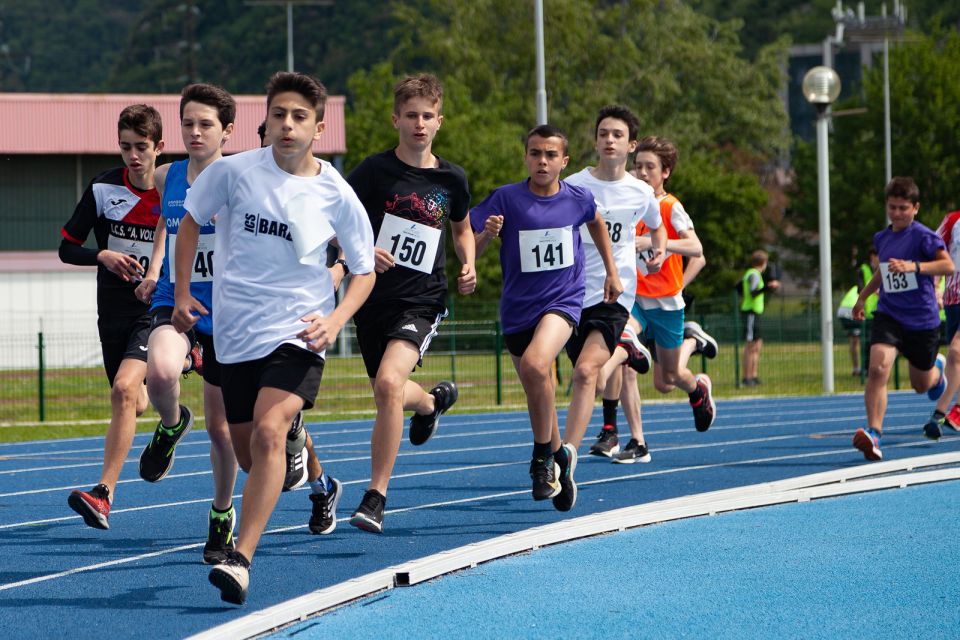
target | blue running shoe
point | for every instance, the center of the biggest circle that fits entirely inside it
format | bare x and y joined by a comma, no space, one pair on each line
937,390
868,441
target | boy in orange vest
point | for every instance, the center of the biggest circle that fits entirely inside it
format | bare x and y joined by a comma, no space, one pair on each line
659,313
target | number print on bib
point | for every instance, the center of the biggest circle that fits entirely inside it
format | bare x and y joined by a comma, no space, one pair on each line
896,282
136,249
546,249
618,221
202,270
411,244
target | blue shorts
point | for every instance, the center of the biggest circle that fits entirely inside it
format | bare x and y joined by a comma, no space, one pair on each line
665,326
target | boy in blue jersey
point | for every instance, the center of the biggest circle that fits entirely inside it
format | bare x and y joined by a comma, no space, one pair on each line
542,260
907,318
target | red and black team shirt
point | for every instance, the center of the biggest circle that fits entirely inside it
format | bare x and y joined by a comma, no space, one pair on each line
429,197
122,218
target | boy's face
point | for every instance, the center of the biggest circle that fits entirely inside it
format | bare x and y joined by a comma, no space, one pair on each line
613,141
203,134
649,169
417,123
901,212
292,124
545,160
139,154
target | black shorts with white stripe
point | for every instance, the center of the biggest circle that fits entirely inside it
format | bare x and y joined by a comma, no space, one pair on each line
377,326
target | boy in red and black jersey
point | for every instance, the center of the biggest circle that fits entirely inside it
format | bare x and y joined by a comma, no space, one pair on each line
121,207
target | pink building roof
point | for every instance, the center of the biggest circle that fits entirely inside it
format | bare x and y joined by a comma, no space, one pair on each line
66,123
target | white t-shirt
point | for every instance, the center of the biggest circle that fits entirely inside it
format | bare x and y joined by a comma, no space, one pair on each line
681,222
623,204
261,288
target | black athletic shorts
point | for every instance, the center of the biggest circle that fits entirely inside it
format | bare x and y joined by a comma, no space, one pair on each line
518,342
161,316
751,326
377,326
853,328
919,347
122,339
607,317
288,368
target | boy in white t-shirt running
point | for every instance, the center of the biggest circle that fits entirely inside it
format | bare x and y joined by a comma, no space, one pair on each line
623,201
276,209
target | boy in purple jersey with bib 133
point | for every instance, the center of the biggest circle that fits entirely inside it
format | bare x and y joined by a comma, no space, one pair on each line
907,318
542,261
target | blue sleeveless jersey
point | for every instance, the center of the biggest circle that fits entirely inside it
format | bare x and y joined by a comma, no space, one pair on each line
201,285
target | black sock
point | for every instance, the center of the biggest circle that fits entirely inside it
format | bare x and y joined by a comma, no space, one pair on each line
541,450
938,415
561,458
696,394
610,413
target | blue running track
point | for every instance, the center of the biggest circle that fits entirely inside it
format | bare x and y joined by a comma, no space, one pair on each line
144,578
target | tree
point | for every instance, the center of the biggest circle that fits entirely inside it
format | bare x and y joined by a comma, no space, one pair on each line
924,92
682,72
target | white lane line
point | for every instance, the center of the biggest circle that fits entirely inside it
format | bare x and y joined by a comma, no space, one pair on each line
432,505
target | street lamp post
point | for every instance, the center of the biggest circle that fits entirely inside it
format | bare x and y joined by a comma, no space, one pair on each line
821,86
289,5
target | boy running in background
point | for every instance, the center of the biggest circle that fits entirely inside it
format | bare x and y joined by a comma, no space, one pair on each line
624,201
409,194
276,208
121,207
659,307
207,113
542,261
943,415
907,318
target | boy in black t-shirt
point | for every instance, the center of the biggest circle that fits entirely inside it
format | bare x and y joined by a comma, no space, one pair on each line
409,194
121,207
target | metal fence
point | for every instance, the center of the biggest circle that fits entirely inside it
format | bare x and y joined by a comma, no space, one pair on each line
57,376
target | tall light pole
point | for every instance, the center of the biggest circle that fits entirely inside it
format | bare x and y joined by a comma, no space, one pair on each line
821,86
541,73
289,4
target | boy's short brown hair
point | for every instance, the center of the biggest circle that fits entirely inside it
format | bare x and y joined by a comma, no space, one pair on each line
546,131
306,85
902,187
424,85
664,149
758,258
143,120
212,96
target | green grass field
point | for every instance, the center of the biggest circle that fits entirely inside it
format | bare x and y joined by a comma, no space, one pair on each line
77,400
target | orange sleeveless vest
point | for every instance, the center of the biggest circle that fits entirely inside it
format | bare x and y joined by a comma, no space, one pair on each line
669,280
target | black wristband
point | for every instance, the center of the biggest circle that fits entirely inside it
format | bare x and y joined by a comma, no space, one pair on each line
343,263
918,266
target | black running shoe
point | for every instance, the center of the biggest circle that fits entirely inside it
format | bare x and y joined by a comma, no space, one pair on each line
369,515
638,356
157,457
232,577
219,537
296,474
633,452
323,520
93,505
705,342
544,472
607,444
422,427
567,497
704,411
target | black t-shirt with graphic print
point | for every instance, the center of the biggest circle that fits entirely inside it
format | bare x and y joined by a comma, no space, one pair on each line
411,196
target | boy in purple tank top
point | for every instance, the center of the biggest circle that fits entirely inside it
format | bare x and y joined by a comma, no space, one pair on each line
907,317
542,261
